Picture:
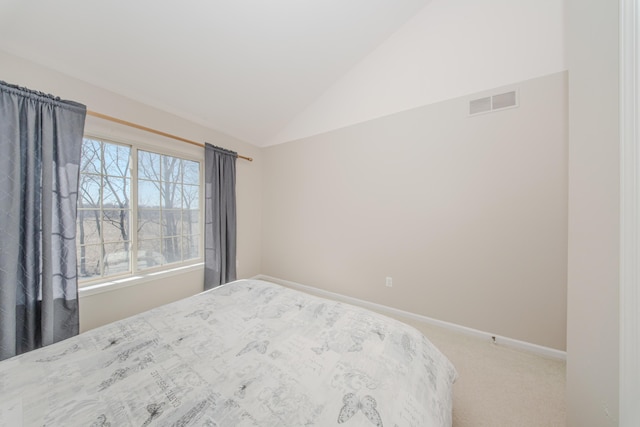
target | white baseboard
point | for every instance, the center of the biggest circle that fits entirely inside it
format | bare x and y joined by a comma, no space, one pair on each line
489,337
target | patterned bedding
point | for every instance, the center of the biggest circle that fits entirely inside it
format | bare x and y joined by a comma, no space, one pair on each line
249,353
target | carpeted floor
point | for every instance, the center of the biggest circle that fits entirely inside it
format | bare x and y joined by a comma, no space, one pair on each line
499,386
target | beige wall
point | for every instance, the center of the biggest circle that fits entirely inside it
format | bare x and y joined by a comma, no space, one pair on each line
106,307
594,188
102,308
467,214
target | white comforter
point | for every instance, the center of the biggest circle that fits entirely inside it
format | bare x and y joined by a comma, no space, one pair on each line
249,353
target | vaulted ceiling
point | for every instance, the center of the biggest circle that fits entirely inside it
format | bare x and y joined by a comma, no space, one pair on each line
244,67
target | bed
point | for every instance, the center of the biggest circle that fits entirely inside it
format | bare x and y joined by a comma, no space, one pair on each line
248,353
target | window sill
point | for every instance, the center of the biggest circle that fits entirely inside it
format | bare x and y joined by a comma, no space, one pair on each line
126,282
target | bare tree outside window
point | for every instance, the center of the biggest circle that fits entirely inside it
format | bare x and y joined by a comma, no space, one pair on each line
167,224
168,211
103,209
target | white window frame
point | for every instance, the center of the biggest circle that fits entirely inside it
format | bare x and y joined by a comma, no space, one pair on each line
99,284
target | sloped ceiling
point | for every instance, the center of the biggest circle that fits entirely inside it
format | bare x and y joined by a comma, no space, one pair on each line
243,67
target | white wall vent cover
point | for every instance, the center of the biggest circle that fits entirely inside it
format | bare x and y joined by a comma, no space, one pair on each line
493,103
481,105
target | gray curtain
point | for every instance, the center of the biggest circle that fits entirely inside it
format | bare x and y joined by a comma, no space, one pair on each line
220,216
40,144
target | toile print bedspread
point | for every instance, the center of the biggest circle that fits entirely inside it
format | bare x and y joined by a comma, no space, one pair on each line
249,353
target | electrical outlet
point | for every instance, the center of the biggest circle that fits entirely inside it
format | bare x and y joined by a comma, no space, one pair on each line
389,282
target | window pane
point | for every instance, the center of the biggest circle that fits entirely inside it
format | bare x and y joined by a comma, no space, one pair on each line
149,165
116,160
89,261
91,156
171,169
191,172
171,195
149,224
172,249
171,223
89,191
148,194
88,226
115,226
190,246
190,222
149,254
190,195
116,258
115,192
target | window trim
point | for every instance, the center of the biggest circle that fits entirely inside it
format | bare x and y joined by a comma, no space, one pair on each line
135,279
116,281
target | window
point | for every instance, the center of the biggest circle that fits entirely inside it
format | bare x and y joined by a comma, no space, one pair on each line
131,198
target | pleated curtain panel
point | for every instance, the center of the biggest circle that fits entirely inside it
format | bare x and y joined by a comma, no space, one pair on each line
40,146
220,216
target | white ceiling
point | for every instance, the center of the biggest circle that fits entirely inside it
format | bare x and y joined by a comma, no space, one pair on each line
244,67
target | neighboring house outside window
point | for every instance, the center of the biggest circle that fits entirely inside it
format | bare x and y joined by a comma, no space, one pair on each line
134,201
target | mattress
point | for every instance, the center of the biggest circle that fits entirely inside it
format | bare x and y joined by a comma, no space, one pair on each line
248,353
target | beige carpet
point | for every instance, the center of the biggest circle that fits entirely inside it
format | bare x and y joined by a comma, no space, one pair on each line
498,386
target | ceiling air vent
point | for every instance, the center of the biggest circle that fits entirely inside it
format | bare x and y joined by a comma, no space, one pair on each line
493,103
